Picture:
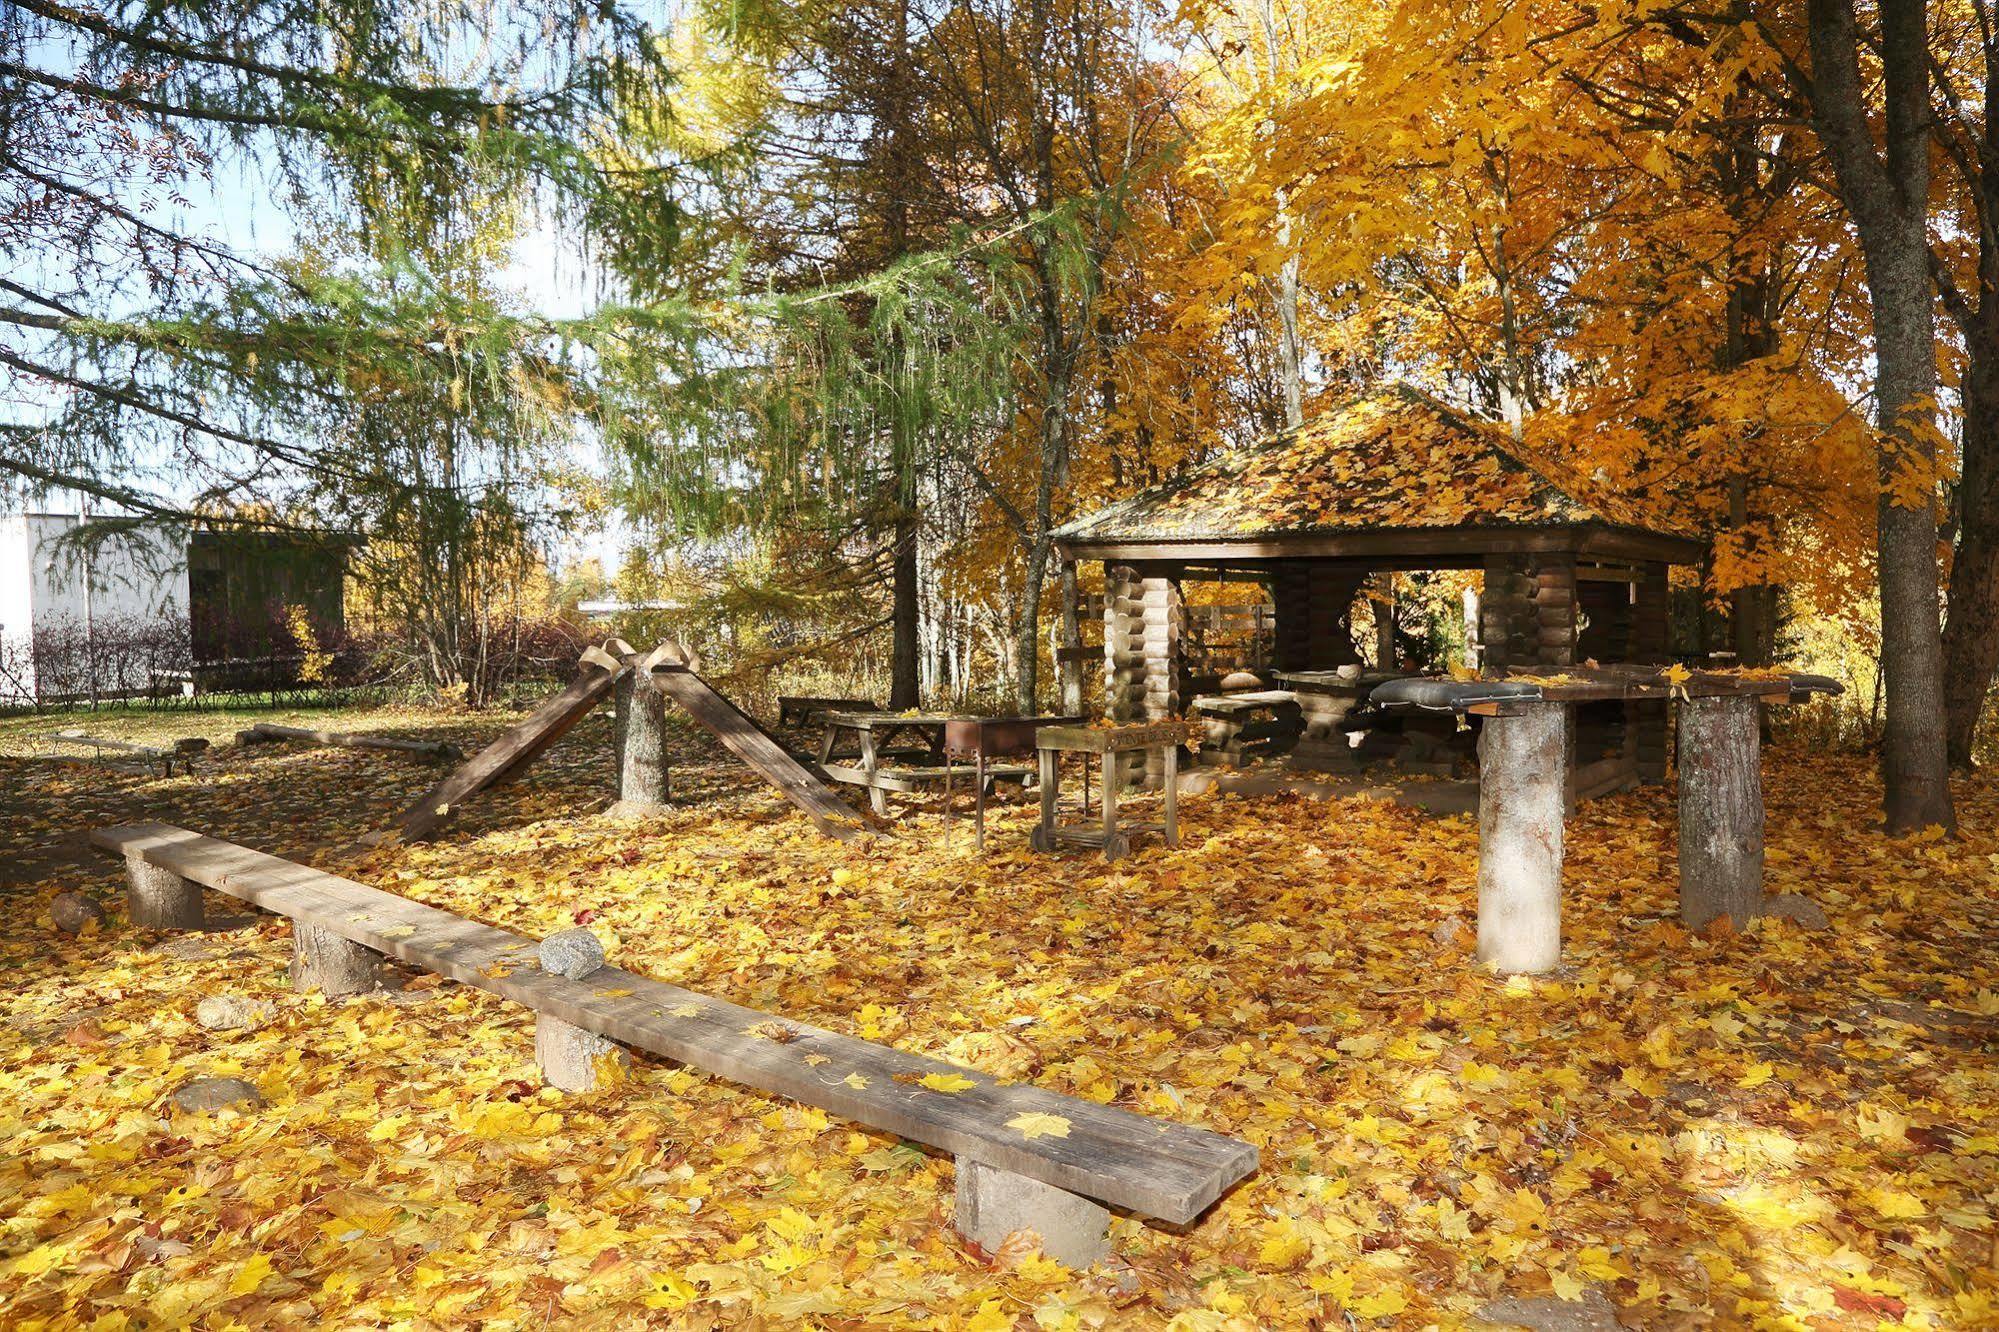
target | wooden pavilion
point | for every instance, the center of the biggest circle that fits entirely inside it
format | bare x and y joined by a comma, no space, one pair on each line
1394,481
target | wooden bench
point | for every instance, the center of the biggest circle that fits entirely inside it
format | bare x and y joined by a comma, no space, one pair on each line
1057,1186
803,710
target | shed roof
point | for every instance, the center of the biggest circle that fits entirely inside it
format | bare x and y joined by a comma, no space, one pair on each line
1394,460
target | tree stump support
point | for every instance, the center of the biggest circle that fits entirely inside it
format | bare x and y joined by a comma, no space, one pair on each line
334,966
159,899
994,1203
1522,785
1721,810
641,730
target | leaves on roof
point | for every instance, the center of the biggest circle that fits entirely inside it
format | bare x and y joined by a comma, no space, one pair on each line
1395,459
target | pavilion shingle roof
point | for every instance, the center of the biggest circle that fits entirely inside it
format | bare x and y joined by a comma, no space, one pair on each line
1395,459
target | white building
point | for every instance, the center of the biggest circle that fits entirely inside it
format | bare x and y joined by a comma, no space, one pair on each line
85,620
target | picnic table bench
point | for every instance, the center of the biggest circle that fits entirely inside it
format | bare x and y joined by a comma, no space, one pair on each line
1238,727
183,752
1057,1184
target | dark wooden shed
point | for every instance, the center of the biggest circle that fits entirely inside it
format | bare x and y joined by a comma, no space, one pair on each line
1397,480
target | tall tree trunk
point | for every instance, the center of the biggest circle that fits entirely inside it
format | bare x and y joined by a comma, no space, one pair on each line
1289,354
1888,200
1971,635
1971,631
906,610
906,656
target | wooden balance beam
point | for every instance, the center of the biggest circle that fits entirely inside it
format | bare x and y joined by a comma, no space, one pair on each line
1059,1187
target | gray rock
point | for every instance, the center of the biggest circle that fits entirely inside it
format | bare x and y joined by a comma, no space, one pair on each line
232,1012
206,1094
1797,908
1592,1313
71,912
1449,930
572,953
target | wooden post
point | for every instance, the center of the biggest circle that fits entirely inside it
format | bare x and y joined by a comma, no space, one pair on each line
324,961
1521,787
1384,625
641,746
1070,668
1721,811
159,899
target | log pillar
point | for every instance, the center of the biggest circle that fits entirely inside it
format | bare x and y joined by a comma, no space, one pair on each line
995,1203
1721,810
576,1060
1527,612
159,899
1143,627
1522,766
641,751
323,961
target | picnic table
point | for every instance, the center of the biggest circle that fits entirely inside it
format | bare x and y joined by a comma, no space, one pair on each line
1325,701
1113,838
803,709
881,767
1523,766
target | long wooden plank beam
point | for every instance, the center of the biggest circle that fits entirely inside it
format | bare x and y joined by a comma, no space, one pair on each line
519,746
1156,1168
741,736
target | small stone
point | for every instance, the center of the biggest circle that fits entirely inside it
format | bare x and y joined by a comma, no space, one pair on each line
71,912
1592,1313
232,1012
1448,932
206,1094
1237,682
572,953
1798,908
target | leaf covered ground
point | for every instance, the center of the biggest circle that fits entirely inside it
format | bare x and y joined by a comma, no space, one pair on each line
1783,1128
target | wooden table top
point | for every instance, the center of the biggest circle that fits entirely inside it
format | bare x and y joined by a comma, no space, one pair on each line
1114,739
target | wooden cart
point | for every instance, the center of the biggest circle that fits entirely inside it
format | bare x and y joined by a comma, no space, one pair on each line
1051,742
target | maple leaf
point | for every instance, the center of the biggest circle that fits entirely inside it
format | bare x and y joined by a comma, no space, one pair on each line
1039,1124
947,1082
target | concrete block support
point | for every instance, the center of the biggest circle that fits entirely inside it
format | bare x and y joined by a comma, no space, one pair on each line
1522,765
994,1203
1721,811
576,1060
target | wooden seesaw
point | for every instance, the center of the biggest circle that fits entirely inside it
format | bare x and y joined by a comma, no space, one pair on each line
669,669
